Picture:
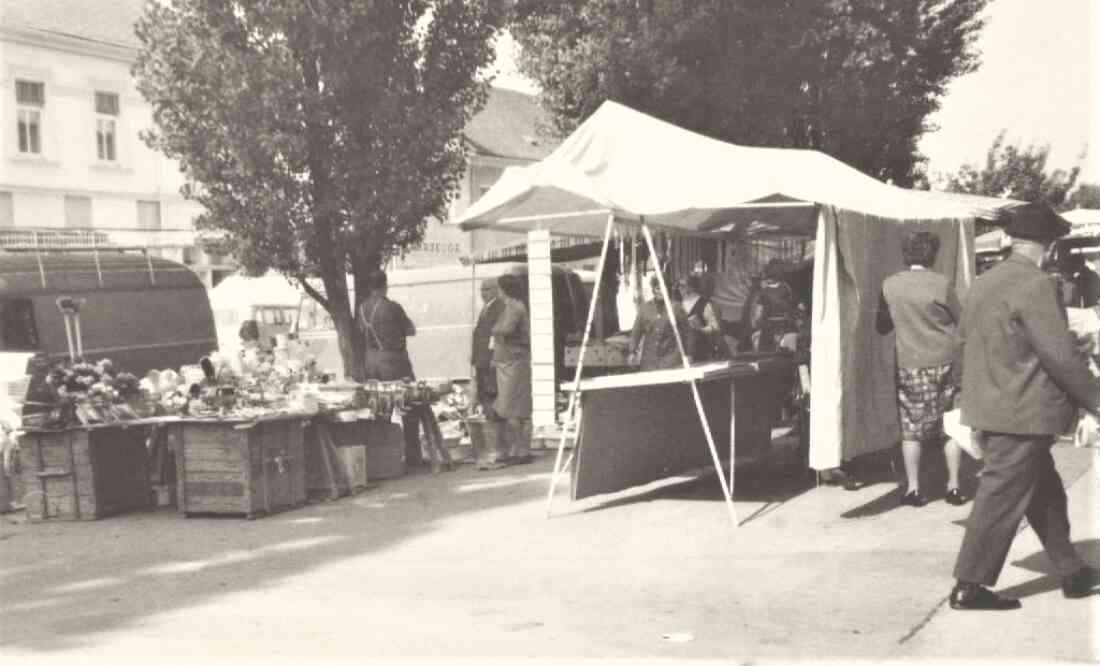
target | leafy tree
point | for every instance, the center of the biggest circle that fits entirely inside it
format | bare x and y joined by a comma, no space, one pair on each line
319,135
1016,172
854,78
1087,195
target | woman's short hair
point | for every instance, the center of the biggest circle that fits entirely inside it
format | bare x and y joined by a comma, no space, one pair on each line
509,285
377,280
920,249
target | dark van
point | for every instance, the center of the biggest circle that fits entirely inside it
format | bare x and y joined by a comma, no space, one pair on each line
141,312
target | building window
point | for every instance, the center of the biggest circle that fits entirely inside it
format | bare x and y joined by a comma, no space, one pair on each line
149,215
78,212
30,100
7,211
106,126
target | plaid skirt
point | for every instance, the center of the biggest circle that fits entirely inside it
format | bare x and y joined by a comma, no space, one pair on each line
924,394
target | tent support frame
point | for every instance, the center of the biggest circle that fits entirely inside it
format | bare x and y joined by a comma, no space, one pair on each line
727,490
574,395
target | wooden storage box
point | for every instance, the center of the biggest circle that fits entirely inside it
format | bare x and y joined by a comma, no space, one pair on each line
244,468
84,473
385,449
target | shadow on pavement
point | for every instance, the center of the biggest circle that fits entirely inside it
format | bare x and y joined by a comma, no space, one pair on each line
771,482
1038,562
887,468
60,583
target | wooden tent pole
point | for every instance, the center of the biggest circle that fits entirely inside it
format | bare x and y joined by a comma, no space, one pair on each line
694,384
580,361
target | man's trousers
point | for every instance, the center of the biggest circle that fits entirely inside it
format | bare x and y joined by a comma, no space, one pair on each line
1018,480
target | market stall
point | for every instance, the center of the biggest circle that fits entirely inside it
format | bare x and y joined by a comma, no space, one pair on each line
233,434
623,170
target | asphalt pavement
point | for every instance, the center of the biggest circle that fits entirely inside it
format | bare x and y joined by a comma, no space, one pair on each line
467,566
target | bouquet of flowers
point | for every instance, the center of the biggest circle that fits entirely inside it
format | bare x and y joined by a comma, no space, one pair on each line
87,393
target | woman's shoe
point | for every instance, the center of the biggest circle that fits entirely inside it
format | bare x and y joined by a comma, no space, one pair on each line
913,498
955,498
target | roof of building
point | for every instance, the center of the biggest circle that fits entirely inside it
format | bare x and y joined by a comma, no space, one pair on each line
103,21
511,125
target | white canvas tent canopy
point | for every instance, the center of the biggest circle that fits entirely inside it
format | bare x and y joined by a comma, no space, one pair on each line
625,166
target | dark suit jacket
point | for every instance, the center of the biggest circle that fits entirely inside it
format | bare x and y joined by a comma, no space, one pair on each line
480,355
1021,371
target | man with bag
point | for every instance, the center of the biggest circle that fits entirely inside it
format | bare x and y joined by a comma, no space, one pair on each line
1022,374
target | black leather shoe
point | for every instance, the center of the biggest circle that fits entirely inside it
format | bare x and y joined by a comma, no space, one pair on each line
955,498
913,498
1080,584
971,596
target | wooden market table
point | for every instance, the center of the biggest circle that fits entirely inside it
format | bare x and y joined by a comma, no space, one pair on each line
84,472
640,427
239,466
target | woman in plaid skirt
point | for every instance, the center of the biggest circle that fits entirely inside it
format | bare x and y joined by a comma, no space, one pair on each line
921,307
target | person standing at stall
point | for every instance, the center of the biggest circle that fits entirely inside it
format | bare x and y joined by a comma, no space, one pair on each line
511,338
386,326
922,309
772,309
1021,377
704,340
653,339
481,354
481,367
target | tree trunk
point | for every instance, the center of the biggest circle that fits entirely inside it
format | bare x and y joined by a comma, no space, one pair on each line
350,352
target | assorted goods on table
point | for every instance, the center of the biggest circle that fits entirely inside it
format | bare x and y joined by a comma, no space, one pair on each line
232,434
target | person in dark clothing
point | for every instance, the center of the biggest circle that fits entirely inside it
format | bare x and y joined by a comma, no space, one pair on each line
772,309
920,306
703,339
481,353
1022,376
485,376
386,326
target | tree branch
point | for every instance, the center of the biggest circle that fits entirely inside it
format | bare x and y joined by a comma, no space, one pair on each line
313,293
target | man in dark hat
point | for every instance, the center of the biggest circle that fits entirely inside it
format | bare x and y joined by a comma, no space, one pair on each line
1022,375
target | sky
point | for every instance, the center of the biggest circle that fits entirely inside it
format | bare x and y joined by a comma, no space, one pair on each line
1034,83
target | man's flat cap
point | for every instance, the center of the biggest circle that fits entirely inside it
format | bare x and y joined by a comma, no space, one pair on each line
1033,221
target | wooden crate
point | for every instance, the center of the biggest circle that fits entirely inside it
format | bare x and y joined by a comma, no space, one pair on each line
247,468
385,449
84,473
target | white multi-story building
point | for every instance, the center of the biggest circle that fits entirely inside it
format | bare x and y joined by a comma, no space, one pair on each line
74,171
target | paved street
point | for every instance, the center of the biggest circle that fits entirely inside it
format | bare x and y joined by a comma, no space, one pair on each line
466,565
